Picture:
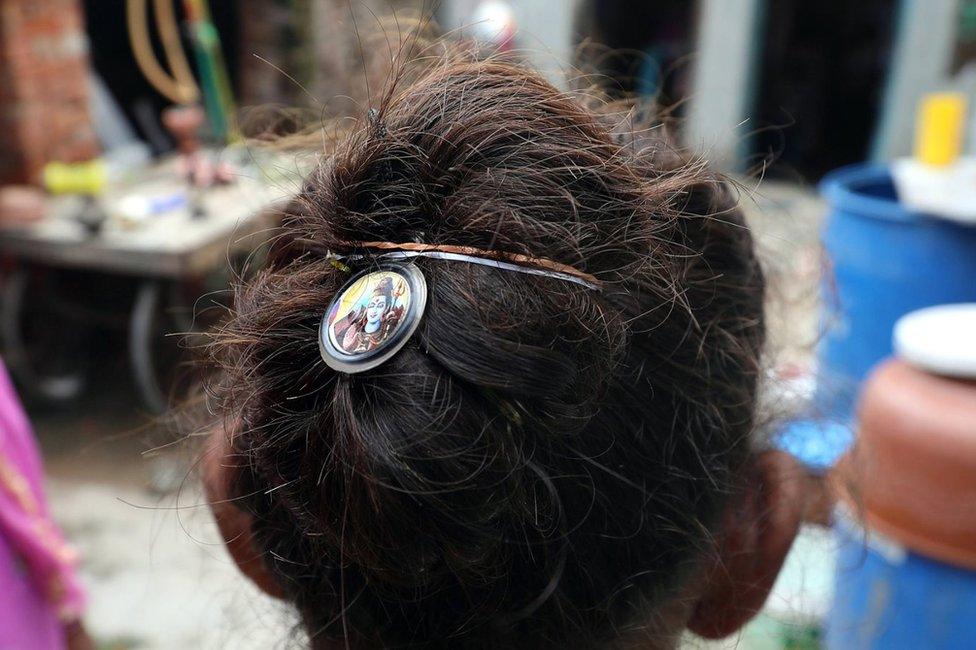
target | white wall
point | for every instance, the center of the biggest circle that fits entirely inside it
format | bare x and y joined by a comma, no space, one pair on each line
544,30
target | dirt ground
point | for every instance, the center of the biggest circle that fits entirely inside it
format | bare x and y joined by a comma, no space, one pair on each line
157,574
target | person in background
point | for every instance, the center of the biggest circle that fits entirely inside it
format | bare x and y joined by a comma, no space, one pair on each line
567,451
41,598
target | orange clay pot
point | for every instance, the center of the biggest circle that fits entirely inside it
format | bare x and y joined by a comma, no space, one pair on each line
912,474
21,204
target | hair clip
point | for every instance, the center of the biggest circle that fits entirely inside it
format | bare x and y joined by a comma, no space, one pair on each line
372,317
337,264
373,117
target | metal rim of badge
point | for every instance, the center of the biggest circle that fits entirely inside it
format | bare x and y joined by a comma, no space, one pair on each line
356,362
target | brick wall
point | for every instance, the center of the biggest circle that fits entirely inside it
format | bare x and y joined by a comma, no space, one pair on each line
43,87
296,48
270,42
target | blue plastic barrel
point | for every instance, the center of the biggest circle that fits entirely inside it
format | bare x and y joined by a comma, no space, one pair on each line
885,262
889,598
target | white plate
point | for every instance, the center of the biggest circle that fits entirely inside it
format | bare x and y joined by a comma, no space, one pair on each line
941,339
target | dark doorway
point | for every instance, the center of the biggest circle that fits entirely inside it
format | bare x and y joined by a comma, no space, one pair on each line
822,73
637,48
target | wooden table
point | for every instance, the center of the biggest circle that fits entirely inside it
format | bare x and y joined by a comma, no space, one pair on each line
159,251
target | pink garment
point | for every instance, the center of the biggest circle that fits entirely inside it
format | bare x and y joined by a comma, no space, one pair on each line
39,589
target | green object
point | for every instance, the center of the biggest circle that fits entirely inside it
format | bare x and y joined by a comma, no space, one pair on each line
768,633
801,637
967,21
218,99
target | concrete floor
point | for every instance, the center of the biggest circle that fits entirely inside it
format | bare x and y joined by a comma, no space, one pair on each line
158,575
159,578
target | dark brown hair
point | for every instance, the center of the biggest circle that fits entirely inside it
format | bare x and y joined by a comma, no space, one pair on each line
542,464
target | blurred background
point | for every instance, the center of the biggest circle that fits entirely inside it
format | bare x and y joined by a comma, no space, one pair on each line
128,202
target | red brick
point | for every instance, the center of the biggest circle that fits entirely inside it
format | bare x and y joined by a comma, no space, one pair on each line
44,94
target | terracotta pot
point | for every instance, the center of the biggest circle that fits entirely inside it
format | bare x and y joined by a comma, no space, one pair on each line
185,122
912,474
21,204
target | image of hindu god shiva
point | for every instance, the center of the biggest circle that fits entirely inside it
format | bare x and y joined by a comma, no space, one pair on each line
366,327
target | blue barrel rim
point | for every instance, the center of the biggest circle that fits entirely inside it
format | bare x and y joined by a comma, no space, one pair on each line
840,188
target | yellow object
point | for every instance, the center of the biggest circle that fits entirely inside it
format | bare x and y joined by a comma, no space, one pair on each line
939,128
76,178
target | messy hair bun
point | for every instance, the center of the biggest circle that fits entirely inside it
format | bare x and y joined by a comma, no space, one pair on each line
542,462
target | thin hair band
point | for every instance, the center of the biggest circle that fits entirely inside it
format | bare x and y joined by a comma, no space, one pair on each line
496,259
493,259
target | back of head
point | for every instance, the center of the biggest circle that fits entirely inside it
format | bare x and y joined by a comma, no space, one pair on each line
543,464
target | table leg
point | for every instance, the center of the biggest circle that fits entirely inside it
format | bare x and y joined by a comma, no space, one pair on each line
59,386
141,335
